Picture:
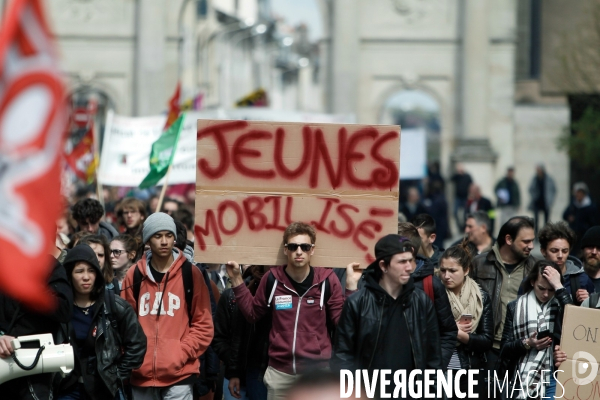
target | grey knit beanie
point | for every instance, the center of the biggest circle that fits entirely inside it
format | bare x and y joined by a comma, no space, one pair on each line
158,222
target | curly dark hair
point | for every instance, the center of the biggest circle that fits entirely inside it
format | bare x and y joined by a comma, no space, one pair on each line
556,230
88,209
299,228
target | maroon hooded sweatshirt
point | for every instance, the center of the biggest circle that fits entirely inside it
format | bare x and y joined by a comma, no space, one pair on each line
299,339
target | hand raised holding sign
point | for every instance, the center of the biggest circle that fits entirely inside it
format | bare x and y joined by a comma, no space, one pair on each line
559,356
353,274
234,271
581,295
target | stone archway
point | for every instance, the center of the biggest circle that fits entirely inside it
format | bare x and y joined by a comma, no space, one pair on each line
415,109
419,115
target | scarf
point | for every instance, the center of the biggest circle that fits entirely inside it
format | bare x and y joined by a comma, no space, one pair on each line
469,301
530,317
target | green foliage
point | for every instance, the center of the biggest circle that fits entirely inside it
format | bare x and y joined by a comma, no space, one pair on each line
582,140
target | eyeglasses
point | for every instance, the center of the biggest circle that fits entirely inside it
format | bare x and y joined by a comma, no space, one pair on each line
304,246
117,252
130,212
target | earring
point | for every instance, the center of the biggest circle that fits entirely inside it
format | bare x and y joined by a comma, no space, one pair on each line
385,270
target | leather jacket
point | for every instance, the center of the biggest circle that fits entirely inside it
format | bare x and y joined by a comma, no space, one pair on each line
472,354
512,349
365,317
446,323
486,272
118,351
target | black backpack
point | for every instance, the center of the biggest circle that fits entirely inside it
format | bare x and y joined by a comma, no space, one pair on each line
594,297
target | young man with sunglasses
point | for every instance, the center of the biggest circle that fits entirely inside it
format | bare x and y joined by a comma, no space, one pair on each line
305,303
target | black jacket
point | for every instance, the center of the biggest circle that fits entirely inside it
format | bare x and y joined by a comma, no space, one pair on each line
446,323
461,185
364,317
119,348
486,272
228,339
514,195
28,322
512,349
472,354
239,344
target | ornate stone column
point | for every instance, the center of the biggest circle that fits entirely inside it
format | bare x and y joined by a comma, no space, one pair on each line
150,92
472,147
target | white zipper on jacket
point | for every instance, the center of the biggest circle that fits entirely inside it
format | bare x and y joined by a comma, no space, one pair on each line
296,322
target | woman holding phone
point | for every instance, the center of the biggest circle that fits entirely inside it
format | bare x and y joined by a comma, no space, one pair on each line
532,324
472,311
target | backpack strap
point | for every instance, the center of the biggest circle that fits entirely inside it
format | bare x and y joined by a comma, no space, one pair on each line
270,288
594,297
211,295
109,306
428,286
325,296
188,287
574,279
137,286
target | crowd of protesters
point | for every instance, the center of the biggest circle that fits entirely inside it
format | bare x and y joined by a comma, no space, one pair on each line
147,321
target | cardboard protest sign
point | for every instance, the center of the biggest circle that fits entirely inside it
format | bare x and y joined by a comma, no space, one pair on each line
580,340
255,178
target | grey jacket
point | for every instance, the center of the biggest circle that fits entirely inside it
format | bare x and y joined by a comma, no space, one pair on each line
107,230
549,192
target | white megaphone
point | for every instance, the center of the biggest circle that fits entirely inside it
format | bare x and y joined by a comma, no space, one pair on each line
48,357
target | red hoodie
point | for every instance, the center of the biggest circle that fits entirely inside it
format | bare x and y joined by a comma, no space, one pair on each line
174,344
299,339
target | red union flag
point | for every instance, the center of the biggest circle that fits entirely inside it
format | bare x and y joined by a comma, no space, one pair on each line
32,123
82,160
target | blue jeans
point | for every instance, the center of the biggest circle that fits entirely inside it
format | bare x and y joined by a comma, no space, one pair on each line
73,394
551,389
255,387
227,395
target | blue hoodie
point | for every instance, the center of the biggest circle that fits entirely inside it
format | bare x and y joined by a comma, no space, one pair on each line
574,267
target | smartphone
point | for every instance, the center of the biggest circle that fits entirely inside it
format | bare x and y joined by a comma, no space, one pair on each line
543,334
466,318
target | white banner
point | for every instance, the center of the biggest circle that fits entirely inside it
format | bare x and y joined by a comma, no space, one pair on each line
128,141
126,150
413,154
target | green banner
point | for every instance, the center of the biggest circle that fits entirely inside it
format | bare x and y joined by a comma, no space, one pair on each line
162,154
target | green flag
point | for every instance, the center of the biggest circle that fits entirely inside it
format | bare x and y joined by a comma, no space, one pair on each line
162,154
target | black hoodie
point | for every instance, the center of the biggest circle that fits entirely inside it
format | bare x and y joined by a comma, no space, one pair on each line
365,317
83,252
446,323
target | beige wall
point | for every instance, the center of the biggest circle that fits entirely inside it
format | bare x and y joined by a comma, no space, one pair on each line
536,131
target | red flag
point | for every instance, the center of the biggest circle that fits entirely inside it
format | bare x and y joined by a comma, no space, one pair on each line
81,159
174,108
32,125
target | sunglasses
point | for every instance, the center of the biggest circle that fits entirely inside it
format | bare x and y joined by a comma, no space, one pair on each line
304,246
117,252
